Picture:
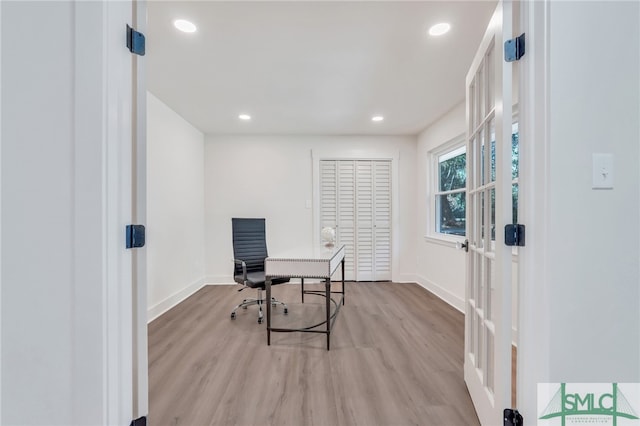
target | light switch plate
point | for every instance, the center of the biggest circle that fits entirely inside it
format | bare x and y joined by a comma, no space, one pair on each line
602,171
307,204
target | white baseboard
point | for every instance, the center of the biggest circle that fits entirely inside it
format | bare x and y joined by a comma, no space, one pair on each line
160,308
442,293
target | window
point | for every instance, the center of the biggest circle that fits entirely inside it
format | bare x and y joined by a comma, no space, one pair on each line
450,193
515,166
515,159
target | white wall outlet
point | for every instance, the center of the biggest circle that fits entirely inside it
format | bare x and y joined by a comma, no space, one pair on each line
602,171
307,204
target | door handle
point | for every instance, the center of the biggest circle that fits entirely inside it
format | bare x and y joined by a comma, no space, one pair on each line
464,245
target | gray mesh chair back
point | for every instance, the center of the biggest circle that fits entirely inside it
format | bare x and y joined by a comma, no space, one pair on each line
249,253
249,245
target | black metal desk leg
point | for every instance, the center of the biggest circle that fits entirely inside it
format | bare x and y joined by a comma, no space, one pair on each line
327,285
302,288
342,281
267,285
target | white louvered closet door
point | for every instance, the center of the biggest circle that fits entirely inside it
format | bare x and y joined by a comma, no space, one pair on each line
346,230
382,220
364,221
337,208
355,199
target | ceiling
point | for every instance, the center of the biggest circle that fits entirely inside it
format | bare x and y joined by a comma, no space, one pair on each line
313,68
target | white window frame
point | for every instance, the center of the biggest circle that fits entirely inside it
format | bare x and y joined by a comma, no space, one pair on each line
433,191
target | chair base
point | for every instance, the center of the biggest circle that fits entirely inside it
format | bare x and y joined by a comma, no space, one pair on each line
259,301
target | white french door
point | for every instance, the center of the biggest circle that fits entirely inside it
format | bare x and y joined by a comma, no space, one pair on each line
487,361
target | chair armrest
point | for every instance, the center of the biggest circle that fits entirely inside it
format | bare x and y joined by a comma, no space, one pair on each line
244,268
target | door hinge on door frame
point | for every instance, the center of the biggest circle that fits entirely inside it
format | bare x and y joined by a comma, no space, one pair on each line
512,417
514,234
135,236
142,421
135,41
514,49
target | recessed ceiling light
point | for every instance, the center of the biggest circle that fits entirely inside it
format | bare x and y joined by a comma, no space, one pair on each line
377,118
184,26
245,117
439,29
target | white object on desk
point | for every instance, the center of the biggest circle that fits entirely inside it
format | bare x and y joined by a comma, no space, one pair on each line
328,236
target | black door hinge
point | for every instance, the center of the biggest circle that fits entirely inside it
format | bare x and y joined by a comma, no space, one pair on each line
514,235
135,236
512,417
135,41
514,48
142,421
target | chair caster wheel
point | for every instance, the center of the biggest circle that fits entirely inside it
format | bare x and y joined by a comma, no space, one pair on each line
259,320
244,307
286,311
233,315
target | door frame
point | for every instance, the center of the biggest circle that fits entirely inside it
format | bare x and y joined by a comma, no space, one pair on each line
533,105
118,326
124,145
1,212
139,216
124,162
354,154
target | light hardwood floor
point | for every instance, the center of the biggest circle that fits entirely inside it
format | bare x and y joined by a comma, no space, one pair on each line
396,359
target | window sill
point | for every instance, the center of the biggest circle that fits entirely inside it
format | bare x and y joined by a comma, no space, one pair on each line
451,243
447,242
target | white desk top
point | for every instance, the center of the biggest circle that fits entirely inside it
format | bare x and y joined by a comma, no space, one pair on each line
305,262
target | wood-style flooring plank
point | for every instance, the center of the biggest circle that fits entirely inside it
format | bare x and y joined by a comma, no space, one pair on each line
396,359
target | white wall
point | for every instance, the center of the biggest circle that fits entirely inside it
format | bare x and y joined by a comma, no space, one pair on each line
175,207
37,189
593,246
271,177
440,267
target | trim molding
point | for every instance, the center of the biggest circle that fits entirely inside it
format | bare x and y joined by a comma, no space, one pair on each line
160,308
442,241
534,329
442,293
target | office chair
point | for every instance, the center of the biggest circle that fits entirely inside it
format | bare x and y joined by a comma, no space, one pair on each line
249,253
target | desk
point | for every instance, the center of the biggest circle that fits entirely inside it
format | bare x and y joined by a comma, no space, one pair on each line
320,262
